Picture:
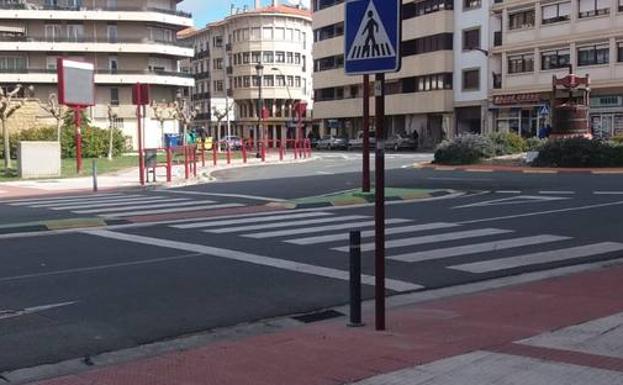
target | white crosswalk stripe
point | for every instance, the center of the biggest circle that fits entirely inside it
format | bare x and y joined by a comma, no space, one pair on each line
240,229
448,252
319,229
143,207
454,236
242,221
559,255
74,199
369,234
79,205
172,210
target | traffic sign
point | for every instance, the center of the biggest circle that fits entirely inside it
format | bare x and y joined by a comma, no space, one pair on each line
372,36
544,111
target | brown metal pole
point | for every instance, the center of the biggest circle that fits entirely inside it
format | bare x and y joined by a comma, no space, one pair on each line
379,210
365,186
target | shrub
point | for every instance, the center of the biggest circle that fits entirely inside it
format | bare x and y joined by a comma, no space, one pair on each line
535,144
465,149
580,152
507,143
618,139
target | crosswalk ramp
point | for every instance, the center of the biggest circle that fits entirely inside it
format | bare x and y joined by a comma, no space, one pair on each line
409,242
121,205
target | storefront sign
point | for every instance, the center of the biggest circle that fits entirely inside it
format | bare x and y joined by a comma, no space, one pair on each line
509,100
606,101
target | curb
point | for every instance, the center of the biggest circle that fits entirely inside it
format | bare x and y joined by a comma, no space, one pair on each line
518,169
60,224
210,178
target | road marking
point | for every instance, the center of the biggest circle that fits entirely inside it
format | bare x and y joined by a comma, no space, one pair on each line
557,192
224,195
325,173
173,210
113,204
459,179
369,234
608,192
65,197
539,258
285,224
320,229
508,192
7,314
540,172
516,200
538,213
94,201
243,221
303,268
455,236
74,200
143,206
485,247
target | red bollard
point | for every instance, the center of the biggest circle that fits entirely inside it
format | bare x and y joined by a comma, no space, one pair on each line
281,150
186,163
214,153
244,152
296,150
195,160
228,153
169,166
263,151
203,153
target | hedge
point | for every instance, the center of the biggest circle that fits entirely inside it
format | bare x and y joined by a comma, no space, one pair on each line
580,152
465,149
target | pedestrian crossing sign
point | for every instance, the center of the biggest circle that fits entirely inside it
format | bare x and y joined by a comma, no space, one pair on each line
372,36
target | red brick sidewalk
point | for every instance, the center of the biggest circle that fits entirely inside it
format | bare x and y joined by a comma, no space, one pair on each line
329,353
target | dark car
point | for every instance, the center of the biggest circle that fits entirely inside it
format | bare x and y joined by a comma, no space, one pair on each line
401,142
234,143
333,143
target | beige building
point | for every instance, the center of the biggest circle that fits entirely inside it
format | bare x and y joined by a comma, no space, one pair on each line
129,41
419,98
264,49
534,40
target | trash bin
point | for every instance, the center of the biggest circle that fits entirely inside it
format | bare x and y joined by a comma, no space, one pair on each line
171,140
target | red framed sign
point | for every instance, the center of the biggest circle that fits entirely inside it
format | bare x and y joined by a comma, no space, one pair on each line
76,83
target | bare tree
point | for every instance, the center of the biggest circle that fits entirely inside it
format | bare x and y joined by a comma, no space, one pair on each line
57,111
220,115
8,106
184,114
112,119
162,113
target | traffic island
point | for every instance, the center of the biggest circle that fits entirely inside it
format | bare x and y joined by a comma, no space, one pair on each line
58,225
357,197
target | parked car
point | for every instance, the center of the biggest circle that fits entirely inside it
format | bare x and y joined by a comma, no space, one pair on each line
401,142
333,143
357,144
234,143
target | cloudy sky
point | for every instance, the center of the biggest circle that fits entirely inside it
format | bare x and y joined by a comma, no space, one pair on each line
206,11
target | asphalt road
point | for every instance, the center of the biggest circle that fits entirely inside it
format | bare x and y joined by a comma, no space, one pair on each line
81,293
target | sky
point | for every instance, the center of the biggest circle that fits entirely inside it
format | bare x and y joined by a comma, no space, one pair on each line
207,11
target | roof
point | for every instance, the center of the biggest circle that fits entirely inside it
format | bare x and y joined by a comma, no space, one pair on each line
186,33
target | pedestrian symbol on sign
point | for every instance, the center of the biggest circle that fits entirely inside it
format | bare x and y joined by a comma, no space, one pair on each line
372,41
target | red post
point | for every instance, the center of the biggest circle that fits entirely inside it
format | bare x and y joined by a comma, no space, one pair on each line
78,123
244,152
214,153
264,150
169,164
186,162
365,183
379,209
141,156
281,150
228,153
203,153
194,155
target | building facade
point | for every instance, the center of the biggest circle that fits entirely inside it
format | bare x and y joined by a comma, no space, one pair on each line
129,41
264,51
536,40
419,98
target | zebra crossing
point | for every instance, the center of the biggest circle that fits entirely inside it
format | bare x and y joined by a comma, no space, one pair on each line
121,205
409,242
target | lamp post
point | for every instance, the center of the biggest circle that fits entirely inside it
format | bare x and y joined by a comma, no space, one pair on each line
285,82
260,123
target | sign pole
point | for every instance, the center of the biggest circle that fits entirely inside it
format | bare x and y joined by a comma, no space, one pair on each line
379,208
365,186
141,160
78,123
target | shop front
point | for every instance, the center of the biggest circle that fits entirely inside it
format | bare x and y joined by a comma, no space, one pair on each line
606,116
523,114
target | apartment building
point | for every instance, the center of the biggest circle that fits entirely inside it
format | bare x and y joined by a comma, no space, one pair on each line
419,98
129,41
264,51
536,40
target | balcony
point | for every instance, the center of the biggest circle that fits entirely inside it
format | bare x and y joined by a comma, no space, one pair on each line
228,47
202,54
200,96
202,76
497,38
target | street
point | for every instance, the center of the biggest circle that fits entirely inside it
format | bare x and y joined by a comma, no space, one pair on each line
182,261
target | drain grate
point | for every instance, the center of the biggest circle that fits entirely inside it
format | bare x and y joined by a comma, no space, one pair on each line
318,316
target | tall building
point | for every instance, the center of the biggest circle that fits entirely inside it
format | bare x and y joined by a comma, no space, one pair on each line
129,41
264,49
419,98
535,40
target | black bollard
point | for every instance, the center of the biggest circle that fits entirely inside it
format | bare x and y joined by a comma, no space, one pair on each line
355,279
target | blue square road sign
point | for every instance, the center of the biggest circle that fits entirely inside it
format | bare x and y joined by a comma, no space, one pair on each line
372,36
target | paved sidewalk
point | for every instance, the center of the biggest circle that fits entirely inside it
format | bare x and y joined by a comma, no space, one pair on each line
566,330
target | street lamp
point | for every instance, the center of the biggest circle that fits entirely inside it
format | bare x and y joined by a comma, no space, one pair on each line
260,124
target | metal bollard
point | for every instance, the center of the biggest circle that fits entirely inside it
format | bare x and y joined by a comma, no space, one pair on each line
94,176
355,279
169,164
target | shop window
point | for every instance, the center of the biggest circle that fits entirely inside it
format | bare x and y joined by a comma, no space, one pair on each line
522,19
555,13
594,55
520,64
554,59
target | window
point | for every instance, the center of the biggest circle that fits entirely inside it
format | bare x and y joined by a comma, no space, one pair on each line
280,57
554,13
269,81
113,65
218,64
245,58
471,80
218,86
267,33
560,58
523,19
280,33
322,4
256,57
290,57
620,5
289,34
439,42
520,63
256,81
114,96
246,81
594,55
217,41
329,63
269,57
471,4
620,52
112,33
421,8
281,81
329,32
471,39
297,58
290,81
12,63
589,8
53,32
297,82
245,34
256,34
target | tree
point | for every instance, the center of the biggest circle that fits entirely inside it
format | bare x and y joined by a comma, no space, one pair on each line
57,111
112,118
8,106
162,113
184,114
220,115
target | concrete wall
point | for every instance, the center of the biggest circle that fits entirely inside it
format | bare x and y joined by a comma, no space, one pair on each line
39,159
